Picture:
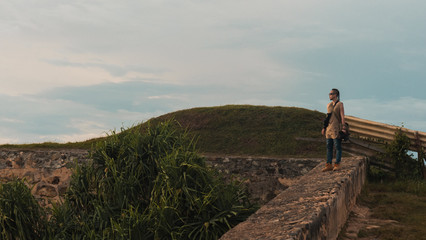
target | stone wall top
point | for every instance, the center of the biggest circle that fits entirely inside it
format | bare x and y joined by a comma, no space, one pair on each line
315,207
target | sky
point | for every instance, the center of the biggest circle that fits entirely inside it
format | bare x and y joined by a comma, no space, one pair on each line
75,70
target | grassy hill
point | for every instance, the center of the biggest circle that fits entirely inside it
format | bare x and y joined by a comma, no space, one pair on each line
252,130
240,130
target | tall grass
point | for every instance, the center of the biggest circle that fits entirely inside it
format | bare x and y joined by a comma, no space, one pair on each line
20,215
148,183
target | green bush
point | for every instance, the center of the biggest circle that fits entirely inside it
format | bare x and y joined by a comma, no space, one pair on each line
148,183
20,215
405,166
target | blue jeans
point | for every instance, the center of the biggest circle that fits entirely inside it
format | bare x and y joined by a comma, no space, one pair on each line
338,145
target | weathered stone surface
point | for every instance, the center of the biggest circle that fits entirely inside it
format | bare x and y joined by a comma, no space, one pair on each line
44,189
46,170
314,207
265,178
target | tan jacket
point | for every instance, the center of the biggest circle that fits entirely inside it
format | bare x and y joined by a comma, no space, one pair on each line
335,123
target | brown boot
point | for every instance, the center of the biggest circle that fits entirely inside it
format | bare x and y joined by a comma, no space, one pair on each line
336,167
328,167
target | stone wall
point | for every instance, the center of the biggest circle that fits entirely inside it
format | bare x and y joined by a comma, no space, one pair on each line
49,171
46,171
315,207
306,204
265,178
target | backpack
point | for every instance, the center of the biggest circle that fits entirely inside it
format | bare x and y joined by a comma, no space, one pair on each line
344,136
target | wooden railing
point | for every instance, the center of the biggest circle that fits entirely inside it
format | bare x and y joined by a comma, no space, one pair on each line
380,132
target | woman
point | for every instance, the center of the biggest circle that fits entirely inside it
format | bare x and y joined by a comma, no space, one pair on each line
334,123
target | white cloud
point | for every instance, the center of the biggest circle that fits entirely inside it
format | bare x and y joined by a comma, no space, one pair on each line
89,43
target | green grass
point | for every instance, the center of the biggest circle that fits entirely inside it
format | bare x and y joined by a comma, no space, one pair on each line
253,130
402,201
237,130
20,215
51,145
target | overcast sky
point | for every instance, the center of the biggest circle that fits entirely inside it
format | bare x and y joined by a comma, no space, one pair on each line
73,70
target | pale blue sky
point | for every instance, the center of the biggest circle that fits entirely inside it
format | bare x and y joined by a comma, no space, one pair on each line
73,70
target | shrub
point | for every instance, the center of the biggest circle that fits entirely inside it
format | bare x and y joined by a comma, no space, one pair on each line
148,184
405,166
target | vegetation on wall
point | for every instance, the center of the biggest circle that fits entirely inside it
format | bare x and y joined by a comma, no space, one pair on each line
143,183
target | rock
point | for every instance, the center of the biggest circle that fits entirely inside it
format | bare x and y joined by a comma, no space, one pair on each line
47,191
54,180
62,189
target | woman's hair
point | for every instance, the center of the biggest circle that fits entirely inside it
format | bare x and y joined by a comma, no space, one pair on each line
335,90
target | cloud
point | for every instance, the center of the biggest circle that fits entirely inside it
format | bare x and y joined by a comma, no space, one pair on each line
80,68
114,70
31,119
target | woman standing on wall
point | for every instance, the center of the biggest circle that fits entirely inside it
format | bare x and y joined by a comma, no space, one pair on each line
333,124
